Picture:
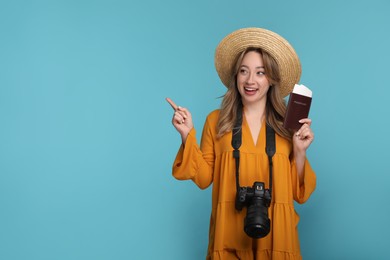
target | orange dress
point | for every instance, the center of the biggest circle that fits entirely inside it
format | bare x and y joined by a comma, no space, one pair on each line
213,162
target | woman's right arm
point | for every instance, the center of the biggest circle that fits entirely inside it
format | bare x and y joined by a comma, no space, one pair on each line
192,162
196,162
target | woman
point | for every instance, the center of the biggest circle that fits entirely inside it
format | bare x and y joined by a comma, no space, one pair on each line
259,68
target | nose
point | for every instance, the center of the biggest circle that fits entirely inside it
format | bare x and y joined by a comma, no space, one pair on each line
249,79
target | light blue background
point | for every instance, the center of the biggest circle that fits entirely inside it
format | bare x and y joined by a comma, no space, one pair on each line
86,142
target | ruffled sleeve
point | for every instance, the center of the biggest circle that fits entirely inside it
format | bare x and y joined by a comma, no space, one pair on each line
194,162
302,192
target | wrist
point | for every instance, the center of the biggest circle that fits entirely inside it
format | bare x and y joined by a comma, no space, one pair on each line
299,154
184,135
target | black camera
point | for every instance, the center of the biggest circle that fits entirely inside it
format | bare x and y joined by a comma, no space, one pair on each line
257,199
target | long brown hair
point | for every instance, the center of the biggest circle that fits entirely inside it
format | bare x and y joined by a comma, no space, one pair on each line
275,107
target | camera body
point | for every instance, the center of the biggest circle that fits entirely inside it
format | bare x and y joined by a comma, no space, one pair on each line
257,199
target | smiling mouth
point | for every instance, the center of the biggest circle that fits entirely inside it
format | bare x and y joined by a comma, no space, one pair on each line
250,89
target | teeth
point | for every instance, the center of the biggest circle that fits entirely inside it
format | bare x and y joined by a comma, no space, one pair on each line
250,89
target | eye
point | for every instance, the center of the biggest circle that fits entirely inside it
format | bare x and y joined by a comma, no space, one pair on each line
261,73
243,71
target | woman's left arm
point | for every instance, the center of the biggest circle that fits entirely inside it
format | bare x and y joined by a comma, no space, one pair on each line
301,141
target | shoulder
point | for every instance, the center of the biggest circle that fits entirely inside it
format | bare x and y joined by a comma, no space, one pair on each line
213,116
212,120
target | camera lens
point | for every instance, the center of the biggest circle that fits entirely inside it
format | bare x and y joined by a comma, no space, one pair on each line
257,223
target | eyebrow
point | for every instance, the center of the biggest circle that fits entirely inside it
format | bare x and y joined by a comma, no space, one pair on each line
258,67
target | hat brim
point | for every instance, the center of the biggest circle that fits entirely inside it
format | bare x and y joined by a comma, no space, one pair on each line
284,54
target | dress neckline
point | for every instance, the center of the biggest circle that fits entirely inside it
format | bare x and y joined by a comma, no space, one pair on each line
247,135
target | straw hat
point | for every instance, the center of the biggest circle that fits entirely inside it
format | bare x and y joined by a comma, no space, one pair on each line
233,44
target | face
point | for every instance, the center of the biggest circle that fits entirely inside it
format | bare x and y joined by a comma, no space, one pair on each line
251,80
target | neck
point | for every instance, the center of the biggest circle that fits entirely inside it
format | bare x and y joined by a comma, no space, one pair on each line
255,110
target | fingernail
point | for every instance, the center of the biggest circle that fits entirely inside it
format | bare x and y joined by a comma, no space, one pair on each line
300,121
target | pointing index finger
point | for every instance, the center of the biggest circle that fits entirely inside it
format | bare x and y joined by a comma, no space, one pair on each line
173,105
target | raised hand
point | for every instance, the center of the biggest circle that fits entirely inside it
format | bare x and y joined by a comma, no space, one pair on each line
181,120
303,137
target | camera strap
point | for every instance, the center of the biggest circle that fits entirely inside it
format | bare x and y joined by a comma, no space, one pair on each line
237,141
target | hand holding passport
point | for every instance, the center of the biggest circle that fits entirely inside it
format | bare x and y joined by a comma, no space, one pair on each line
298,107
